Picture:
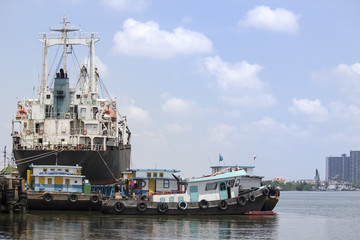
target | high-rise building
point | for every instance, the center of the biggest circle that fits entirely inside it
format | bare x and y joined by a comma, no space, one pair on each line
344,168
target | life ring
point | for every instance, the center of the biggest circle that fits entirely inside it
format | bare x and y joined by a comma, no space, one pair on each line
119,207
47,197
41,132
203,204
94,199
102,104
182,205
162,207
142,206
72,131
28,132
84,132
241,200
73,198
223,205
252,197
265,191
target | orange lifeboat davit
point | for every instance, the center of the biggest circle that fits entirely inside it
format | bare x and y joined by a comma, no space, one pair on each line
108,113
21,113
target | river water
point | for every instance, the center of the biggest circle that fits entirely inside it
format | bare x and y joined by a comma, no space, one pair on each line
300,215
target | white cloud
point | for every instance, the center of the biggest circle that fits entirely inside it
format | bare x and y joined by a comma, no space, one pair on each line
146,39
179,106
138,114
220,133
277,20
312,110
270,125
346,112
126,5
256,100
177,128
240,74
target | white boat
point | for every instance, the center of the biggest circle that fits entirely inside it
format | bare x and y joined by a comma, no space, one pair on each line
223,193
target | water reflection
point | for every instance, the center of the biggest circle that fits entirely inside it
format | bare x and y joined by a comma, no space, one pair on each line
84,225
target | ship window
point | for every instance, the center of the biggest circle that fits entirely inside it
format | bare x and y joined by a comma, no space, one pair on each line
155,174
66,170
161,174
148,174
237,182
45,169
222,186
210,186
75,181
166,183
67,181
48,96
52,169
78,96
49,181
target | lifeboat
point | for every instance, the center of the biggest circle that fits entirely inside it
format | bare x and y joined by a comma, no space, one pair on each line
21,113
108,113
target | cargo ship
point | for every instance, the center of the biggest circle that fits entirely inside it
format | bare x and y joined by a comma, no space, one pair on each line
71,125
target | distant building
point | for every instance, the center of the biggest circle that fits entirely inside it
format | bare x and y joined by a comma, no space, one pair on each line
279,179
344,168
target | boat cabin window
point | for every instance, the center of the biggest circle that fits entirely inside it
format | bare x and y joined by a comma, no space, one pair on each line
49,180
77,96
52,169
45,169
155,174
67,181
222,186
166,183
148,174
237,182
210,186
48,96
161,174
66,170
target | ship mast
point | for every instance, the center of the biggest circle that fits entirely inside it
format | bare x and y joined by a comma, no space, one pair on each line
68,41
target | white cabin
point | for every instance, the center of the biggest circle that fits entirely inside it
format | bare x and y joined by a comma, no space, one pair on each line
218,186
144,181
54,178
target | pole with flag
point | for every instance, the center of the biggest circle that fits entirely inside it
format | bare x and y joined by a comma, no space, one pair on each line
220,158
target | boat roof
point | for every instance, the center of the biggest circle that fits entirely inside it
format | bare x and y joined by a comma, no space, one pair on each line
229,166
152,170
218,176
54,166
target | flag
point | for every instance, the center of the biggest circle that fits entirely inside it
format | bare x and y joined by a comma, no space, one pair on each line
254,157
220,158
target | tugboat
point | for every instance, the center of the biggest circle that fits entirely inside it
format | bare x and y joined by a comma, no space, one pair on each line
71,125
231,192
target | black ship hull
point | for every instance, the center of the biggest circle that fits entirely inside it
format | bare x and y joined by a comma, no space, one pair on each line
138,207
99,167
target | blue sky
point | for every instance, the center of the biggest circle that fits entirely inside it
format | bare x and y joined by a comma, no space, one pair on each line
275,79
